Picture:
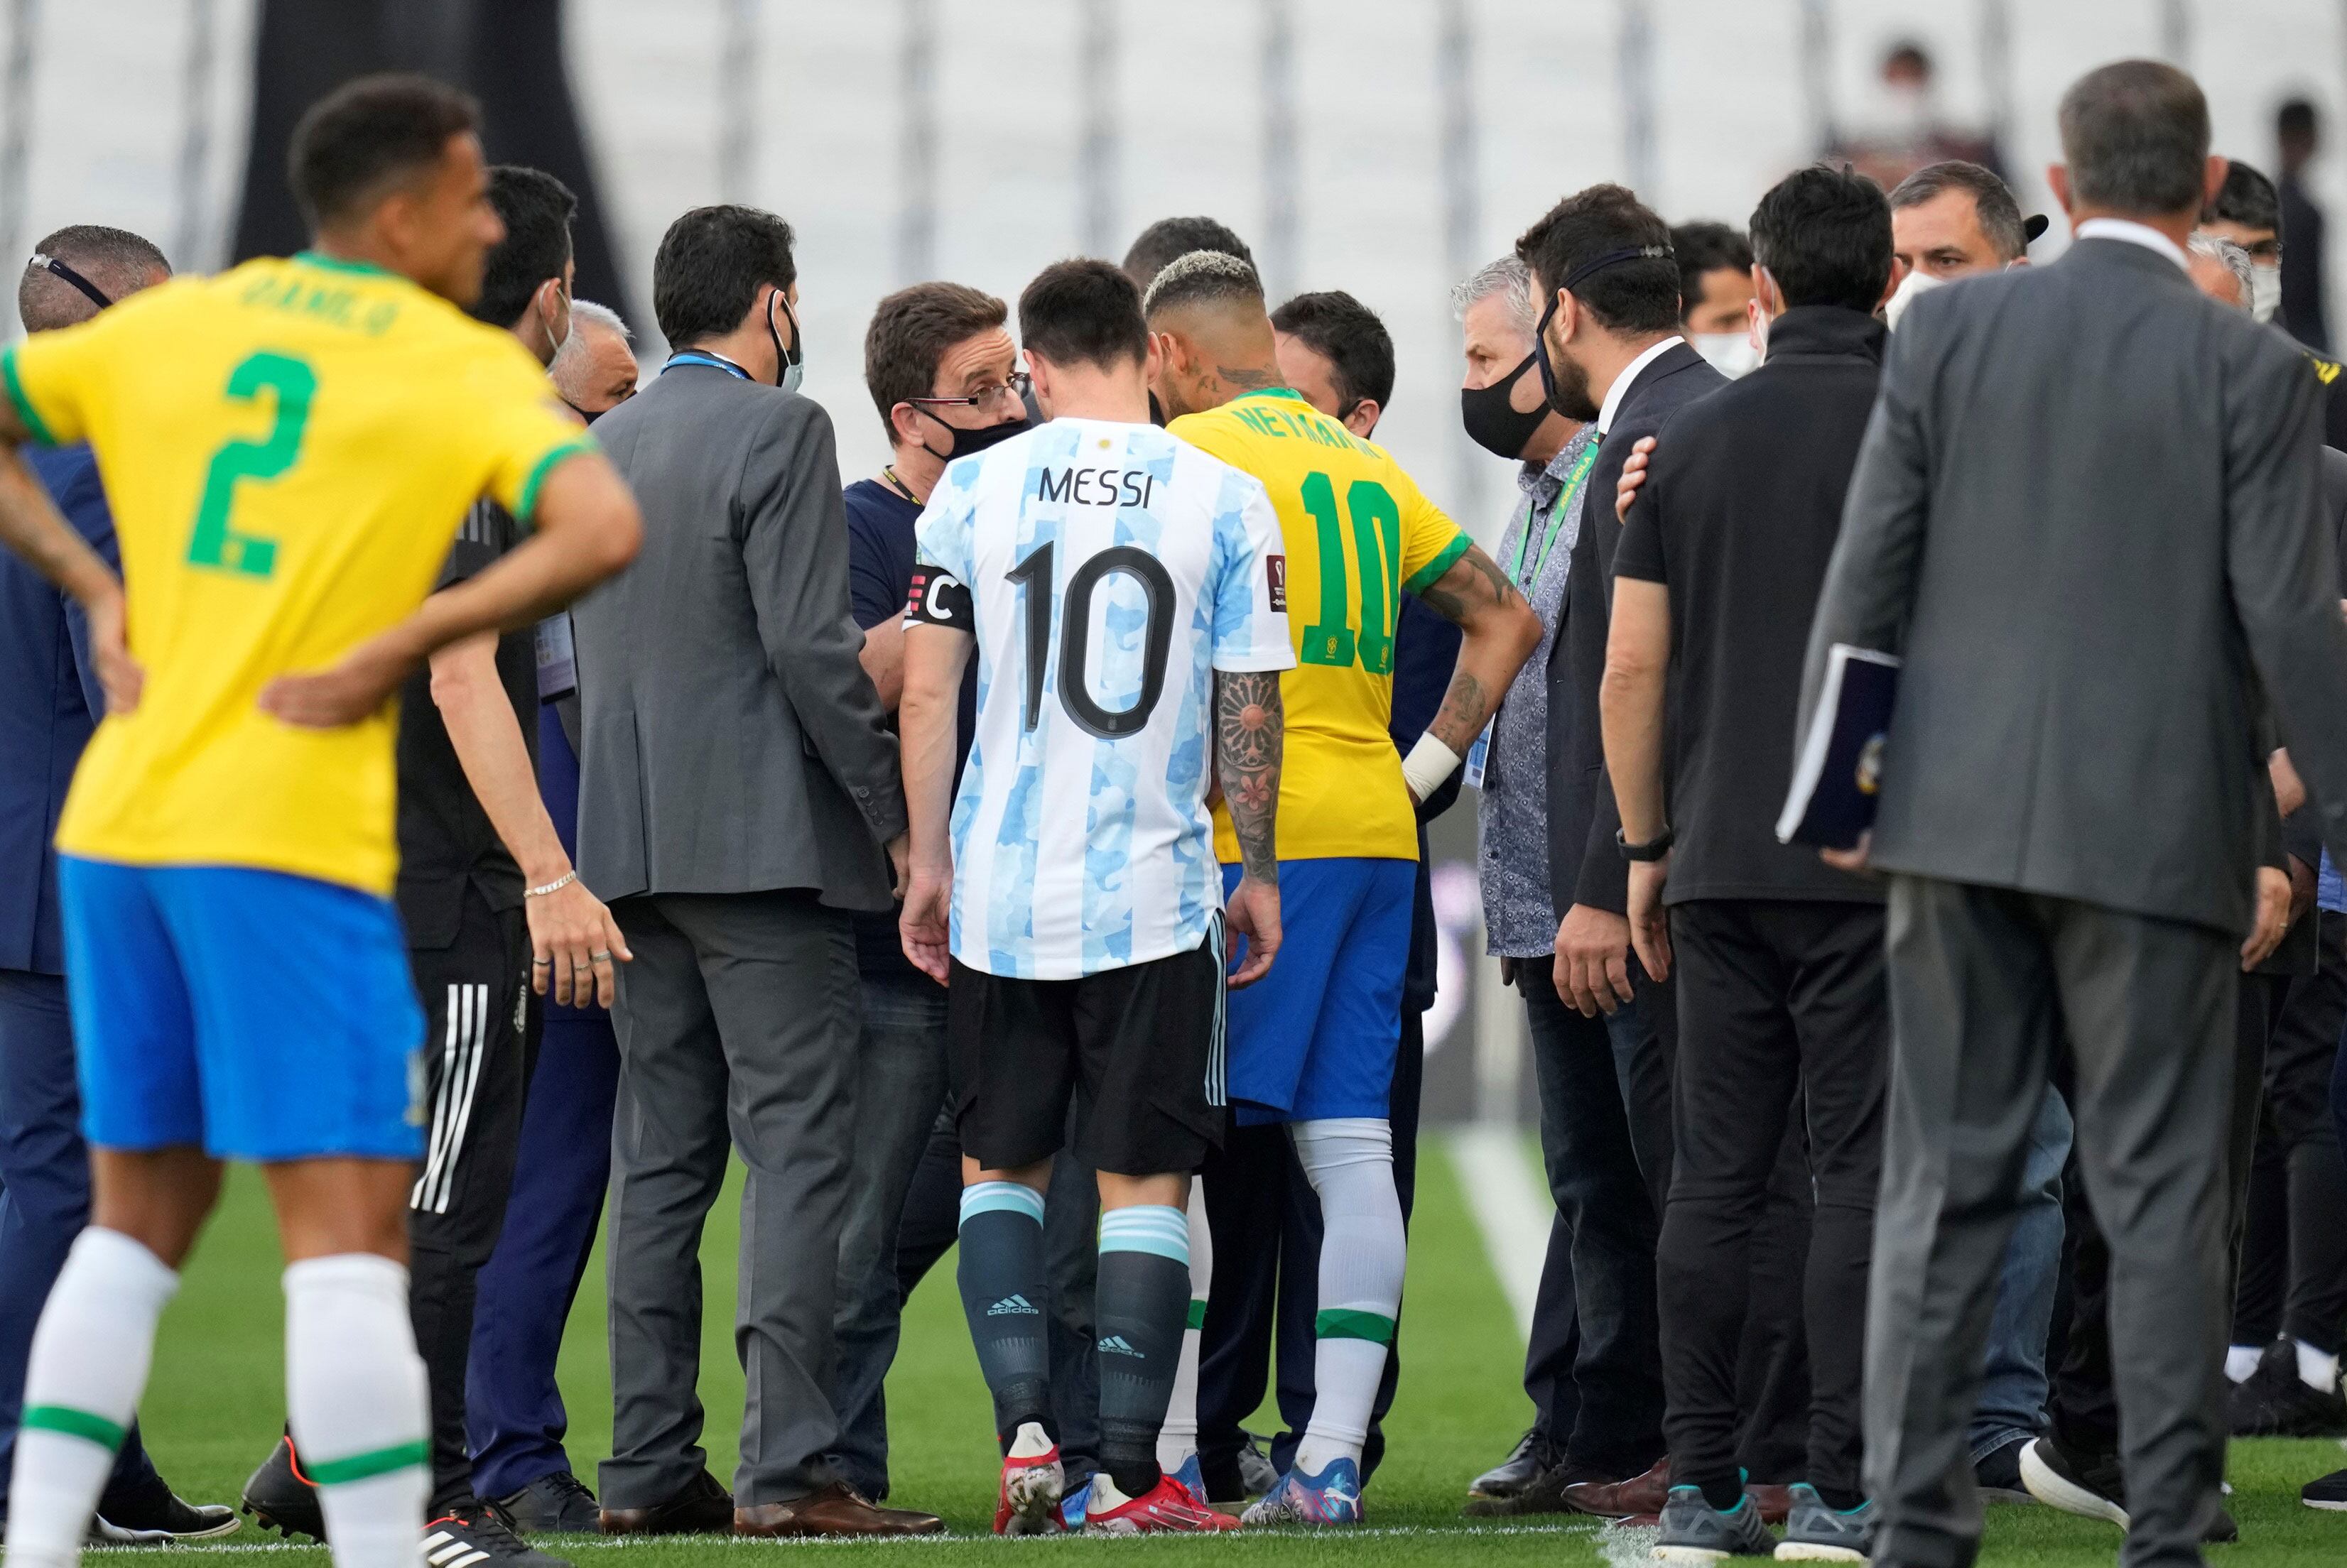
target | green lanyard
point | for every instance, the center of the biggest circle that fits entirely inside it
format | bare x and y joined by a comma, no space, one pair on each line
1564,499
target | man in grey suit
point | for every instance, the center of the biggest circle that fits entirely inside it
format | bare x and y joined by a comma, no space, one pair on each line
736,788
2085,513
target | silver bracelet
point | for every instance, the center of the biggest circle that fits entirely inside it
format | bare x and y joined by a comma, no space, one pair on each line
556,886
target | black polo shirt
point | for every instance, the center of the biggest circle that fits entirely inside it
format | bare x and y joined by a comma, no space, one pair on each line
446,841
1738,518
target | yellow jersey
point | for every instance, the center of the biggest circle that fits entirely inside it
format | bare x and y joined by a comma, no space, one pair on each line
288,449
1358,535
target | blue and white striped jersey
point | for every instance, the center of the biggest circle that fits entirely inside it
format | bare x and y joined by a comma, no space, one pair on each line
1110,569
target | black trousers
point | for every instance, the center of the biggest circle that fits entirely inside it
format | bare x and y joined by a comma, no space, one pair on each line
2293,1279
1266,1221
475,1082
1773,998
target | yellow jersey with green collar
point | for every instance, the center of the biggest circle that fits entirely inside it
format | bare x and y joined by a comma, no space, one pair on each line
288,449
1359,534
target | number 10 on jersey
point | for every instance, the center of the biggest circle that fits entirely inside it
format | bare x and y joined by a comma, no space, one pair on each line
1333,639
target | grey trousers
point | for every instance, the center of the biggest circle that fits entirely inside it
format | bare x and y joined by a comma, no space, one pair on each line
1986,984
737,1025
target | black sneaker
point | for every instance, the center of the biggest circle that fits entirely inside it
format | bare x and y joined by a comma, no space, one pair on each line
472,1536
558,1503
2328,1493
1997,1473
2095,1489
2274,1401
1513,1473
1257,1474
149,1513
280,1497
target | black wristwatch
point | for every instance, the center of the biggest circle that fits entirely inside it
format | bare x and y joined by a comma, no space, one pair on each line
1652,849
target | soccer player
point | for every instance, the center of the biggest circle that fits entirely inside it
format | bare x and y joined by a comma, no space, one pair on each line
1122,592
1314,1047
289,447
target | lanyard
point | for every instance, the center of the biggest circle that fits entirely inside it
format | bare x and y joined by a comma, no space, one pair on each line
694,356
1565,497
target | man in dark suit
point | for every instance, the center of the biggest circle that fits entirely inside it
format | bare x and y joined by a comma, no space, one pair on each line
2067,808
736,785
50,702
1610,352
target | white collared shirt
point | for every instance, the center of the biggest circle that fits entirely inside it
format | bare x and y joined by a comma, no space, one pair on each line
2142,234
1621,383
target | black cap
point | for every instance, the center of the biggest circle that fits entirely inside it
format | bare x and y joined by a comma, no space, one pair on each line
2036,224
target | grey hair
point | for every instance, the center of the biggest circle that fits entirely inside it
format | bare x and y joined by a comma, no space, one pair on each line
1998,213
1506,276
1201,275
602,316
2135,134
2232,254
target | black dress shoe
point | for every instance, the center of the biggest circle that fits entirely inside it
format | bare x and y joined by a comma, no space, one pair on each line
558,1503
1515,1473
702,1507
1544,1493
147,1512
2274,1401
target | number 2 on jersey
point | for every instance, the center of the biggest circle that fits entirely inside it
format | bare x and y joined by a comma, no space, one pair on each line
1377,545
1033,575
215,543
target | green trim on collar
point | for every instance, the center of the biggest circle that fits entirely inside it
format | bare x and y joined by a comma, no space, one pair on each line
1427,576
23,405
337,264
1271,392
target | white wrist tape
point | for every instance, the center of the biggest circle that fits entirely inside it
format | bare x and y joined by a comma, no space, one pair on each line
1428,763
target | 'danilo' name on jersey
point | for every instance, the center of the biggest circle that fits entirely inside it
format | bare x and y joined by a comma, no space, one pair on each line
288,448
1107,570
1359,534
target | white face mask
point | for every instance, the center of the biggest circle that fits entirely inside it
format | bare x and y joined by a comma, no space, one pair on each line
1730,354
2265,289
1917,281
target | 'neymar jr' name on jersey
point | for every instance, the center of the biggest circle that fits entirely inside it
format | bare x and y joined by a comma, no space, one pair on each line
1106,487
1281,424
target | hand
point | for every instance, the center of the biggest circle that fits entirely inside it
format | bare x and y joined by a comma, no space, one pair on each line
926,928
573,942
900,851
1592,959
1856,858
122,676
2272,921
1633,474
2289,790
351,691
1650,925
1253,911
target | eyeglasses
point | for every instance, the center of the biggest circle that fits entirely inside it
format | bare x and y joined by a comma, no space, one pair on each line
992,391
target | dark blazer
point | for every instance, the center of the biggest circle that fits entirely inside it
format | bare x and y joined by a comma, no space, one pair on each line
2088,511
1426,653
1584,866
732,742
50,703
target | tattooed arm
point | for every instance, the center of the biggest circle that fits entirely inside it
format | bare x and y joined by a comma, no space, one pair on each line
1501,630
1249,736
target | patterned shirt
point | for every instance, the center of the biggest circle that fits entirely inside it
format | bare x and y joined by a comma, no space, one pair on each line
1107,570
1518,917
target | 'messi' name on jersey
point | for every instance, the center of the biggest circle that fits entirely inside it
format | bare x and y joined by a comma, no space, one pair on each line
1096,487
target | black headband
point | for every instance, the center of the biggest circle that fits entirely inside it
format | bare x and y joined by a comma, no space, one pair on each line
1615,258
97,295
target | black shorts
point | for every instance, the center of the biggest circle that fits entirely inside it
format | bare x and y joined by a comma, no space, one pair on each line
1138,1051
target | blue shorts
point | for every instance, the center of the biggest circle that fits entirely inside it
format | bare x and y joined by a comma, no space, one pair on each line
263,1016
1316,1037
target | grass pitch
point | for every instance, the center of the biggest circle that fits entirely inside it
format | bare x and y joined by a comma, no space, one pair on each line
213,1409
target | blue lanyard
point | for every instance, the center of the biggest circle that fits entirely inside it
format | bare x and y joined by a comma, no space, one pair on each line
694,356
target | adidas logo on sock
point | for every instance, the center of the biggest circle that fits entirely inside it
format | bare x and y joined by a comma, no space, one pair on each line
1114,1345
1012,1306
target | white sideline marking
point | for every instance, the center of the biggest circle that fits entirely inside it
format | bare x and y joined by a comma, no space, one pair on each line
1623,1548
1511,1209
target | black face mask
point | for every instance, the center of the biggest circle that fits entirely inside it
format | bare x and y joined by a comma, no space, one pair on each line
582,414
1156,411
969,443
1492,422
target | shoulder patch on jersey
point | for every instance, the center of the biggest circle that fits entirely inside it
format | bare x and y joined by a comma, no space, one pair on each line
1275,573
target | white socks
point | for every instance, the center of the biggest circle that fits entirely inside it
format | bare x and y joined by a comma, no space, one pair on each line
2240,1360
1177,1440
1350,1162
89,1366
2318,1370
355,1391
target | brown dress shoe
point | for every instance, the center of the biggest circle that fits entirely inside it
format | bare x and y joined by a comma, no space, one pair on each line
704,1506
836,1510
1776,1502
1621,1499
